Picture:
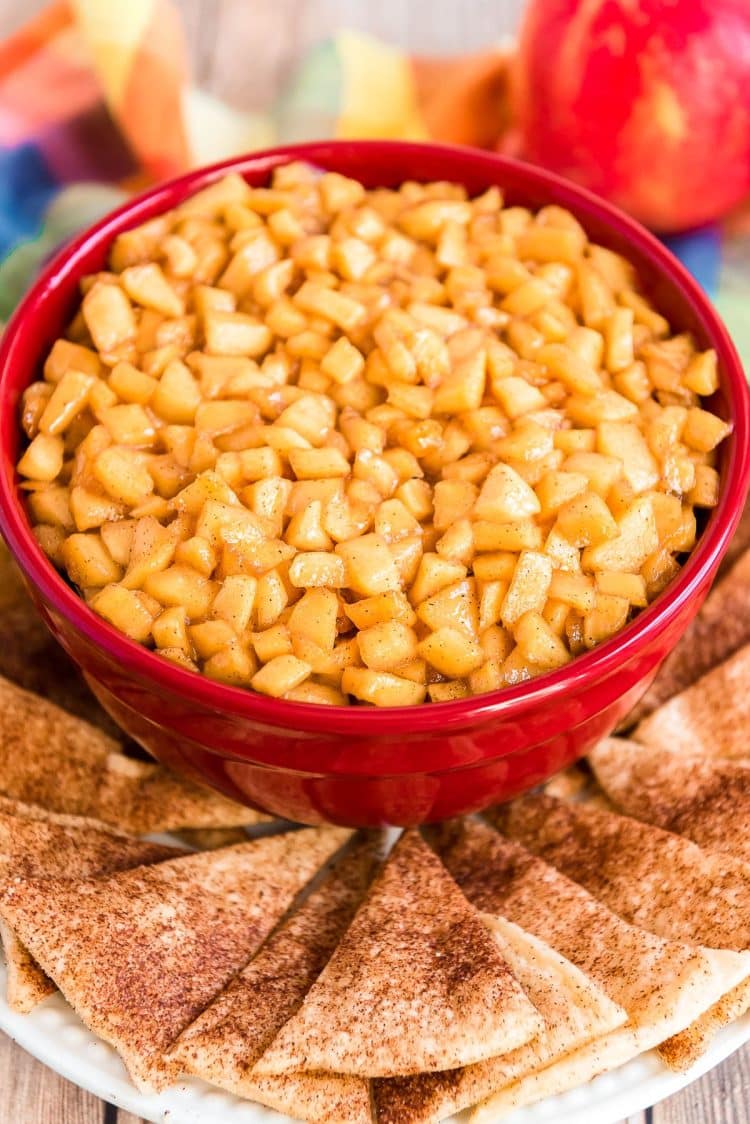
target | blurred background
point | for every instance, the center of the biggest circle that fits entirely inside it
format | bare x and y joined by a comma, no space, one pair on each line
246,50
646,102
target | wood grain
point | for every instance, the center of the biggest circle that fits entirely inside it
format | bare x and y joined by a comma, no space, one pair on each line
30,1094
245,52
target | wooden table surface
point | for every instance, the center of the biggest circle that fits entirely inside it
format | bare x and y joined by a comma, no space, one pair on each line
221,33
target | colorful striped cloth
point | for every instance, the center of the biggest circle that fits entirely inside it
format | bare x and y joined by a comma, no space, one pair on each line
96,102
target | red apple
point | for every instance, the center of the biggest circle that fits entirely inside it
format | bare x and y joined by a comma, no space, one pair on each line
646,102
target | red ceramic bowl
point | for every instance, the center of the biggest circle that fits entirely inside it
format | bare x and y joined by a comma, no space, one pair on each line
356,765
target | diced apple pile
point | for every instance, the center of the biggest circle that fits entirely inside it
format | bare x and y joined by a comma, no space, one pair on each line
382,446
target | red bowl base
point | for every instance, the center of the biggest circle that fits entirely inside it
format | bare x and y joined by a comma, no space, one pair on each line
353,800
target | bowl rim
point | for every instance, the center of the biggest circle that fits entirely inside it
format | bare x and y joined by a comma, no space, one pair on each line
508,702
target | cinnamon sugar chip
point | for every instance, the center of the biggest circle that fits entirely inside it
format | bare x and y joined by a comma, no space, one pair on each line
574,1009
140,954
662,985
224,1043
705,800
720,628
650,877
51,758
416,984
711,718
38,844
684,1049
318,1098
27,984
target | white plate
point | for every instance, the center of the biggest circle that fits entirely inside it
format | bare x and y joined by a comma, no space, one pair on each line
54,1034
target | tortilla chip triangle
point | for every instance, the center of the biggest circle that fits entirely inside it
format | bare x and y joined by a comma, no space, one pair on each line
706,801
38,844
140,954
711,718
416,984
574,1010
649,877
226,1041
683,1049
35,843
662,985
27,985
720,628
317,1098
51,758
